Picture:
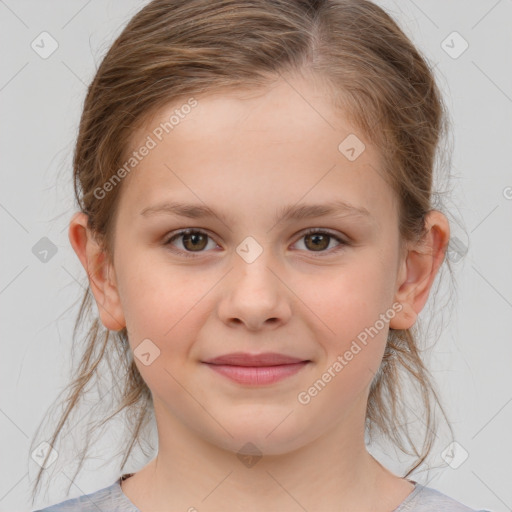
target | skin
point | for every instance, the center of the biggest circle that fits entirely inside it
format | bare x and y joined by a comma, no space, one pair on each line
245,156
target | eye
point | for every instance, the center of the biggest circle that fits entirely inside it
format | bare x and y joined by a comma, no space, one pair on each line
196,241
316,240
192,240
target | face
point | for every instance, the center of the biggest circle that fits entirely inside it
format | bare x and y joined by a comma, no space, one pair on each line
249,278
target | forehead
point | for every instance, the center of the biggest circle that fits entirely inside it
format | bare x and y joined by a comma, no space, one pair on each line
285,140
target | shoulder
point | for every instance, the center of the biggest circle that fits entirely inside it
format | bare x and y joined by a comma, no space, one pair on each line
108,499
427,499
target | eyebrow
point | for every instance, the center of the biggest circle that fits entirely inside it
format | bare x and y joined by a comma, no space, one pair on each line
286,213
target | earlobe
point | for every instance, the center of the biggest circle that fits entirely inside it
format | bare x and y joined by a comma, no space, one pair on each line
405,318
99,272
419,269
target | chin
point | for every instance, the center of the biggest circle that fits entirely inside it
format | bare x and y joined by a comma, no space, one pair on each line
261,438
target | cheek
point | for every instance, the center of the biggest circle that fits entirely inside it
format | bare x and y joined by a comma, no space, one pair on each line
155,297
347,305
161,305
168,305
348,298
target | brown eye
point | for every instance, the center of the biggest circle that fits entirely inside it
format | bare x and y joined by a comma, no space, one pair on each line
317,241
189,241
321,242
194,241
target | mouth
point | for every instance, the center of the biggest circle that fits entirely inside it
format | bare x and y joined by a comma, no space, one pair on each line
256,369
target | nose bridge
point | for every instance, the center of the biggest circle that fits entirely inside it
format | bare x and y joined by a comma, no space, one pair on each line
252,271
255,296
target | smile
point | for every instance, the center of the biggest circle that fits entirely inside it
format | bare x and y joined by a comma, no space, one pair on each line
257,375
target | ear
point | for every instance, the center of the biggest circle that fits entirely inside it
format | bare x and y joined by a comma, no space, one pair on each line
419,268
99,271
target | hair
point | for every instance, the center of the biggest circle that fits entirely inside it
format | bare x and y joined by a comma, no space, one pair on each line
172,49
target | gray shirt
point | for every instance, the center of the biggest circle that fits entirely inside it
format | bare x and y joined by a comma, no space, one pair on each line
112,499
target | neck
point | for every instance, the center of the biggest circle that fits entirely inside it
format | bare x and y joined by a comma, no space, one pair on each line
335,472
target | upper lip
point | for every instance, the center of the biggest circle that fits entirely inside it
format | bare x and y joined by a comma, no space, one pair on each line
246,359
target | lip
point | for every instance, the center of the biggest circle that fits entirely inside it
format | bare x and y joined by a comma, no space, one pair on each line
256,369
246,359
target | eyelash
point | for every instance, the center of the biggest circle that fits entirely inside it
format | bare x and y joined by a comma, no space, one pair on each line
312,231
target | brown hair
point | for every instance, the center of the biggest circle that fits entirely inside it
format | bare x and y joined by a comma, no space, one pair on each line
173,49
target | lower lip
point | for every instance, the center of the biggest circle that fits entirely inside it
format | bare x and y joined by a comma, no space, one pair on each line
258,375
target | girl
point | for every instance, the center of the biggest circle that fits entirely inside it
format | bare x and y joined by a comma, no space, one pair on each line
257,226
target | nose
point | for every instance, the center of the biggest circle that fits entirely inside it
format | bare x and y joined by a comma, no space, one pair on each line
254,297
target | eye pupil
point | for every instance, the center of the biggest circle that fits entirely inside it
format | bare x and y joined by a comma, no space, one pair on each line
319,241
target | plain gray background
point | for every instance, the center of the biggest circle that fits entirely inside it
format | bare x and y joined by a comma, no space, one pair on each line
40,108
